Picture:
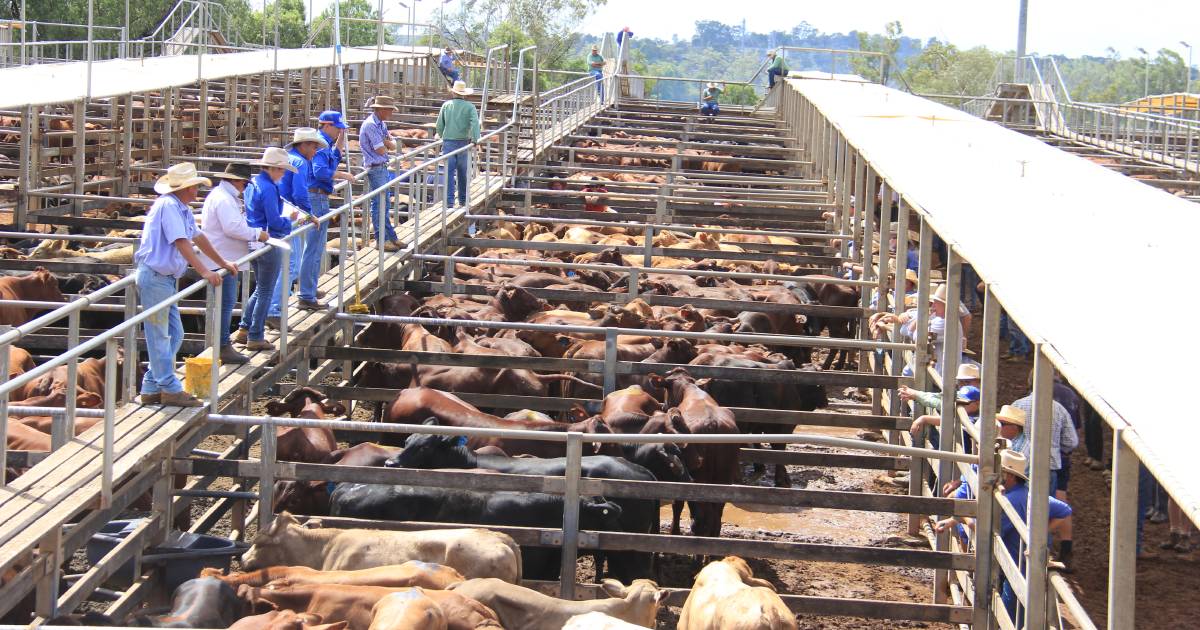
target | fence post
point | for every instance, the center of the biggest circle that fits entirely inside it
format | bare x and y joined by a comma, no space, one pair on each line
610,360
212,316
1037,513
62,427
266,477
4,354
985,527
570,539
110,414
131,348
1122,540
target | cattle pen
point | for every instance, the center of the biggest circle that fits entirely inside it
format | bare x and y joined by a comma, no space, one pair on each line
819,176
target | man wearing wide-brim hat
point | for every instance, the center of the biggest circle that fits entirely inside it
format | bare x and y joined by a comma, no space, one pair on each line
595,62
294,186
265,210
162,257
709,105
458,126
375,143
223,222
448,65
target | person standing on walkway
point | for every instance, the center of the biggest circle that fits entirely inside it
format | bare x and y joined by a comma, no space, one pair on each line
264,210
224,224
162,257
448,65
595,63
320,186
374,142
777,68
458,126
305,143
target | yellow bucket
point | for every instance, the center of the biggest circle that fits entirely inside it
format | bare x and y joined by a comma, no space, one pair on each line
197,374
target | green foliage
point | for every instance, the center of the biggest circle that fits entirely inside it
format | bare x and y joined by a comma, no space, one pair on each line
888,43
144,15
945,69
353,33
257,27
548,24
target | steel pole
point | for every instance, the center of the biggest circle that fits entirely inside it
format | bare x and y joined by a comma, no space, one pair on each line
1022,25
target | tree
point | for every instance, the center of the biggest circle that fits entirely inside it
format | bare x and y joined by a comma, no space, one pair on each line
944,69
872,68
258,27
548,24
144,16
357,29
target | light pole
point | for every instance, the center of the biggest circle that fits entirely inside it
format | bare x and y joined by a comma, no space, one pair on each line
1022,23
1146,91
1187,73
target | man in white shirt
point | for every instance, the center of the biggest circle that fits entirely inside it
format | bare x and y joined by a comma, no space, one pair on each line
223,222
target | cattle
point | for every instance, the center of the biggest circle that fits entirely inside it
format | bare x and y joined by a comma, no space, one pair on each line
727,595
305,444
510,347
829,294
520,607
285,620
699,413
439,505
480,380
473,552
598,621
22,437
356,604
636,516
45,424
418,404
38,286
409,610
19,362
411,573
382,334
204,602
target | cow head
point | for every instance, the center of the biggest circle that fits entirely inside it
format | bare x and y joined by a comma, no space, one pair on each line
742,568
423,450
644,597
516,304
302,497
282,543
296,401
664,461
676,351
599,514
41,286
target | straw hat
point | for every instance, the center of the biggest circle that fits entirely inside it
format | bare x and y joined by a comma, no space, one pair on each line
178,177
712,85
382,102
770,53
239,171
967,372
1011,415
275,157
460,88
1013,462
910,275
306,134
939,294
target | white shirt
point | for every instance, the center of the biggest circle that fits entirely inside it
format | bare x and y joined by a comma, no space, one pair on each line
223,222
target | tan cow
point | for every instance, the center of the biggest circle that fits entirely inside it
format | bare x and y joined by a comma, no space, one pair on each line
520,607
727,596
411,573
476,553
410,610
598,621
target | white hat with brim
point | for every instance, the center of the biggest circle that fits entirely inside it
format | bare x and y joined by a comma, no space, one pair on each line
1013,462
306,134
178,177
939,295
460,88
1009,414
275,157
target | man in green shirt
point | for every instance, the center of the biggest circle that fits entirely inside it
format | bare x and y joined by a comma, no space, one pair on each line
458,126
776,69
708,105
596,67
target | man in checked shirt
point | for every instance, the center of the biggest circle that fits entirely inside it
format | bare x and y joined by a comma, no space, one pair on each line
375,143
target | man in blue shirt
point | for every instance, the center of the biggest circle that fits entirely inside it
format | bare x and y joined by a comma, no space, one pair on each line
448,63
265,210
374,142
320,186
162,256
294,188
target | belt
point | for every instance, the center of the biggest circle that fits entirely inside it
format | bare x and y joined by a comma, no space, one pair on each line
318,191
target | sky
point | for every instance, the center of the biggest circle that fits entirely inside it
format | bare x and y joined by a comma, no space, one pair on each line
1069,27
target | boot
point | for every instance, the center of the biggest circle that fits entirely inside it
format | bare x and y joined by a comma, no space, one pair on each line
241,336
180,399
1185,544
231,356
1064,556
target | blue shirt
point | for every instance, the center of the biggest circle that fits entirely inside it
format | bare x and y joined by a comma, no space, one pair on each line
169,220
446,62
1019,497
294,186
324,165
371,136
621,36
913,260
264,206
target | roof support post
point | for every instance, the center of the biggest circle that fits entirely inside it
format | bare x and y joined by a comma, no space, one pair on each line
1038,510
1122,537
949,431
985,521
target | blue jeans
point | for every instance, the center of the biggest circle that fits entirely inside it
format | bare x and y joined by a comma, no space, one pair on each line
451,75
1018,343
378,176
599,74
456,171
229,296
1145,499
314,247
771,74
164,332
710,109
970,280
293,272
266,277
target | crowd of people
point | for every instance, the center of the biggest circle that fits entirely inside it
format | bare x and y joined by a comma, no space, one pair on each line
256,202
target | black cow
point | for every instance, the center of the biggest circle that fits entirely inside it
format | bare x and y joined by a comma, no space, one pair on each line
200,603
638,516
441,505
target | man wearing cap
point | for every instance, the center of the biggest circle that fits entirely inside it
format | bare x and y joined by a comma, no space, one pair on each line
458,126
775,69
595,63
162,257
374,142
1016,491
324,174
709,106
265,210
447,64
595,203
225,226
968,376
294,188
968,397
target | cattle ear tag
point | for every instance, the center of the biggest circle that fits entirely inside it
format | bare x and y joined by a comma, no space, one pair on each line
460,441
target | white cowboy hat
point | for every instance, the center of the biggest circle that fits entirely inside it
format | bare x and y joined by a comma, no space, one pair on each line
967,371
382,102
178,177
1011,415
460,88
275,157
712,84
1013,462
306,134
939,294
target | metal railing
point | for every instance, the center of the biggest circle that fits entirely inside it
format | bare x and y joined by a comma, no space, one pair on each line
386,35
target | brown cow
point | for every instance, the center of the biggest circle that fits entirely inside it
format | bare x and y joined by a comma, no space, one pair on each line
839,327
411,610
40,286
355,604
411,573
305,444
19,361
25,438
285,620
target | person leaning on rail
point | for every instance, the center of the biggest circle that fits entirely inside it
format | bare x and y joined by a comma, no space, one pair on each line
264,209
375,143
1064,437
324,174
162,257
224,224
294,186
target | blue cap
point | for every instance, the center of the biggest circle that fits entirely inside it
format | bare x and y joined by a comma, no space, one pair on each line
335,118
968,394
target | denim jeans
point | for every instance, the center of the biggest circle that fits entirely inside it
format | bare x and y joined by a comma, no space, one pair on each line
378,176
229,296
1145,498
599,74
164,332
293,272
314,247
452,76
771,74
266,277
1018,343
710,109
456,171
